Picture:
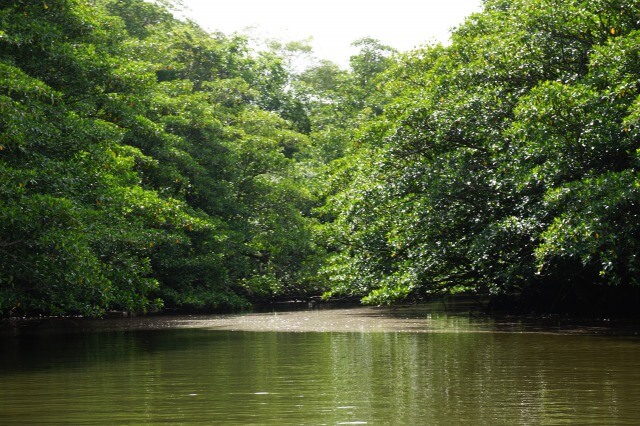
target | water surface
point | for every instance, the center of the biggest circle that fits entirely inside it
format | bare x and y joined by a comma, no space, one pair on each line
357,366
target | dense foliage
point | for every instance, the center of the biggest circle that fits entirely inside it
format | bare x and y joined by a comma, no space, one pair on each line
506,162
146,163
141,164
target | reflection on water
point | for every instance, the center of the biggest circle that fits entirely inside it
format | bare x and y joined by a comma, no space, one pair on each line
433,369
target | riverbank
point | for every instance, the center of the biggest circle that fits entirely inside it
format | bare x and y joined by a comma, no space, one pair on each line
461,315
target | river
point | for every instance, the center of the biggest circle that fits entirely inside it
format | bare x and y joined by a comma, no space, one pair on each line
377,366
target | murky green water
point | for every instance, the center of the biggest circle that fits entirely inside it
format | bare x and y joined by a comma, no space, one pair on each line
363,366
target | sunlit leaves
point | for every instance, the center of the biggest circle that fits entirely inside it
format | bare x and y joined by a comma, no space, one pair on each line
501,159
143,158
134,166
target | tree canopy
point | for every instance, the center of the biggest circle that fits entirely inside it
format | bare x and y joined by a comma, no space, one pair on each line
146,163
506,162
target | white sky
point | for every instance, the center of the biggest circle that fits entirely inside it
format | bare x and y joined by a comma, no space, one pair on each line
335,24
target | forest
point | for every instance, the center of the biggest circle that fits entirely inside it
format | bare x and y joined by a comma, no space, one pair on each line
148,165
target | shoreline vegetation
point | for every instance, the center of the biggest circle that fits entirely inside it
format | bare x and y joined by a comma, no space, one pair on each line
147,165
